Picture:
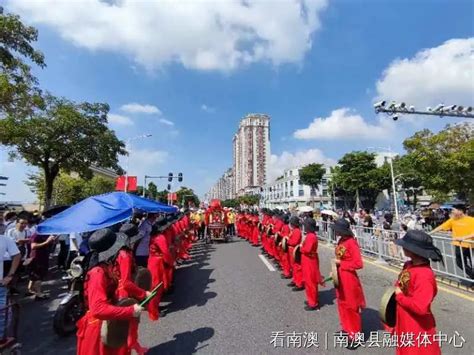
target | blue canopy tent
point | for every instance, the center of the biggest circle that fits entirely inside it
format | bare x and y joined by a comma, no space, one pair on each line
100,211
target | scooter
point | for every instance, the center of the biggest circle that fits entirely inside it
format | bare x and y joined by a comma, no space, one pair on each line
71,307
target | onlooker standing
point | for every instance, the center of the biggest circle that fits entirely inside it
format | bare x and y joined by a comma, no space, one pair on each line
143,248
75,240
462,227
9,220
3,226
7,248
63,251
38,267
19,235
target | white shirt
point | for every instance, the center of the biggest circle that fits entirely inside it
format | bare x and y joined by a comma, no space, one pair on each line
78,238
7,248
143,248
15,235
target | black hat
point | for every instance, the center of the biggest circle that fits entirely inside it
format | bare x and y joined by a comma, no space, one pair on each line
295,221
342,228
420,243
106,243
160,225
132,232
309,225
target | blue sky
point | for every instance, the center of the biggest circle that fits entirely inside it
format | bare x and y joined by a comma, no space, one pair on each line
316,70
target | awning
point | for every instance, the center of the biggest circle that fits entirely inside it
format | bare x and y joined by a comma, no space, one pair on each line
100,211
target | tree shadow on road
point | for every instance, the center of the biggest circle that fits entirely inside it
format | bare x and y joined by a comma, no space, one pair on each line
192,280
185,343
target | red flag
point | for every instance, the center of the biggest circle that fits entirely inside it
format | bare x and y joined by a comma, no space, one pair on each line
131,183
120,183
172,196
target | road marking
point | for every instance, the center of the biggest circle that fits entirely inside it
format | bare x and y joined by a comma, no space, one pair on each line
266,262
447,290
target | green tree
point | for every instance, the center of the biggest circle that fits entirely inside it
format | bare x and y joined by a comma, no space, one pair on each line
64,136
68,189
445,160
162,196
358,176
232,203
186,196
152,191
19,93
249,200
311,175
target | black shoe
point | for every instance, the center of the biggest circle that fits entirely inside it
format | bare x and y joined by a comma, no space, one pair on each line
308,308
291,284
283,277
28,294
297,288
14,291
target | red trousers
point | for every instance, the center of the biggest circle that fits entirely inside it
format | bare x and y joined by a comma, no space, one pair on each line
311,278
157,270
285,263
89,341
296,269
351,320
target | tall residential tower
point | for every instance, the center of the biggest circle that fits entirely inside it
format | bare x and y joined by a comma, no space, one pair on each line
251,145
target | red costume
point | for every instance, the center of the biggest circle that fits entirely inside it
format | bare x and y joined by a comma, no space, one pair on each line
100,289
158,258
284,255
293,241
414,316
310,265
349,294
127,288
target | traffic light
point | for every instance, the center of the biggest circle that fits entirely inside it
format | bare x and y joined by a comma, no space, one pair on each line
169,187
180,177
170,177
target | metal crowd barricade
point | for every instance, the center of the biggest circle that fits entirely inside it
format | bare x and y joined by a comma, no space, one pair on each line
379,244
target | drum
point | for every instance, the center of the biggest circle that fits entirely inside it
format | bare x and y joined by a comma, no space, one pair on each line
284,244
297,254
142,278
278,238
114,333
388,307
334,275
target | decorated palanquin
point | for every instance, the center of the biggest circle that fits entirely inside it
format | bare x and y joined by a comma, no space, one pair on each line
216,221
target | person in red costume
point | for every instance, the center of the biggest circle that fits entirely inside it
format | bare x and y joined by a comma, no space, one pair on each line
100,294
349,293
415,291
255,232
277,226
285,256
310,265
125,264
159,259
293,241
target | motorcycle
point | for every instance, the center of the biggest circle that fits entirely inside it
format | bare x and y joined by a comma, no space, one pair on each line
71,307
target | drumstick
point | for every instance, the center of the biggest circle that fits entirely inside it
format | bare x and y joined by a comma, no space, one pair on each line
153,293
329,278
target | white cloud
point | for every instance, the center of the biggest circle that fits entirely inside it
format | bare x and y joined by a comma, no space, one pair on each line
203,35
208,109
119,119
278,163
440,74
345,124
138,108
144,161
166,122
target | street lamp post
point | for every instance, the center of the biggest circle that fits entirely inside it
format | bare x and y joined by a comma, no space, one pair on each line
128,148
394,189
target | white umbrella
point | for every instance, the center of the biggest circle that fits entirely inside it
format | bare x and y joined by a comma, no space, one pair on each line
330,213
305,209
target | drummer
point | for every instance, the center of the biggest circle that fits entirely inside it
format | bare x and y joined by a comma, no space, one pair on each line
310,265
415,291
293,241
100,294
349,293
125,267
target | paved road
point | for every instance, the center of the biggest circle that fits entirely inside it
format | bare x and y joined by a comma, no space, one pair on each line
226,300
